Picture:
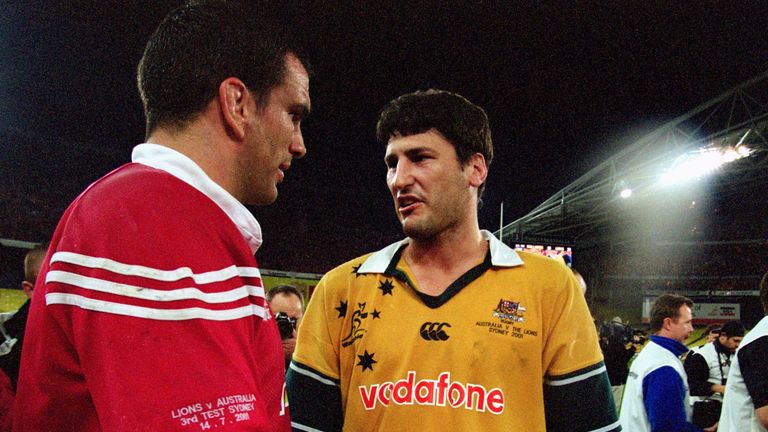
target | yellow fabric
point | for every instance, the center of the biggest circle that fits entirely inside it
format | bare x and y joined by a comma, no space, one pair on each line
484,354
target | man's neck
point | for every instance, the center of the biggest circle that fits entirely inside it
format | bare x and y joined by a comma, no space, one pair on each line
673,345
448,249
438,262
721,349
197,142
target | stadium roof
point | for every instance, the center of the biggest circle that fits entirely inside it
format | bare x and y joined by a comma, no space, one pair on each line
584,211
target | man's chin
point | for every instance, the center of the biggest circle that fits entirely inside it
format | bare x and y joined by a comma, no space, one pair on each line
262,199
417,231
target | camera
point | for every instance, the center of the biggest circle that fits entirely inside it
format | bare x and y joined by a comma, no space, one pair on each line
285,324
639,337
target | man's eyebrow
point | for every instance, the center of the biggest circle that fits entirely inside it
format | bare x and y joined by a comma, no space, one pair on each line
301,109
415,151
409,153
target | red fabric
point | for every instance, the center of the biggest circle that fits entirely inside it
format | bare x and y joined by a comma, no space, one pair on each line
6,402
89,370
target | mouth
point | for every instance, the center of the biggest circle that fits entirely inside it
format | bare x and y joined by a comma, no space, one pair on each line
407,204
281,170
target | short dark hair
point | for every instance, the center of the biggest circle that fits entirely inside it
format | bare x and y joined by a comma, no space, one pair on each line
732,329
33,260
764,292
202,43
464,124
667,306
285,290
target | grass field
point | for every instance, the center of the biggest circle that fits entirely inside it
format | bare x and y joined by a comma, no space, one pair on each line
11,299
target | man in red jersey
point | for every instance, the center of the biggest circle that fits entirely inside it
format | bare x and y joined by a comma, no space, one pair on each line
150,312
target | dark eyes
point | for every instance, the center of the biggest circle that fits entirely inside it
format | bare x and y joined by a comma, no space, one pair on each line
414,158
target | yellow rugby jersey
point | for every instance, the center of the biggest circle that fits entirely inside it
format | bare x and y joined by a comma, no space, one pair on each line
510,345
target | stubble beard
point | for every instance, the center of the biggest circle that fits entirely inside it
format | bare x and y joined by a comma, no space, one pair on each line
439,218
421,231
261,185
426,229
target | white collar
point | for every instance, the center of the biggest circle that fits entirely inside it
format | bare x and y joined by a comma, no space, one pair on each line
186,170
501,255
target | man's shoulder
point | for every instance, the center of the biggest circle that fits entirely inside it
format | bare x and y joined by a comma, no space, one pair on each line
137,212
760,330
534,259
651,350
549,276
652,360
756,348
349,269
135,189
539,264
707,350
134,179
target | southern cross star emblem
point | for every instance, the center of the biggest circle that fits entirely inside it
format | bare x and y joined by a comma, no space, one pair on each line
355,270
366,360
342,308
386,287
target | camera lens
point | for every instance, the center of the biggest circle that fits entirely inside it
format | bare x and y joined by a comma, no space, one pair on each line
285,325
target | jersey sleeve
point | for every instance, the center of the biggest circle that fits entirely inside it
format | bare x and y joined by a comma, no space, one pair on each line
664,399
575,374
755,371
147,319
313,380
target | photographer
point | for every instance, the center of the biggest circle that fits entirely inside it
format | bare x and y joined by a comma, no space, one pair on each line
287,304
617,344
707,370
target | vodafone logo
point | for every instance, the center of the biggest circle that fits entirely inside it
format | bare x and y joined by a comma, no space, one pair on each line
439,392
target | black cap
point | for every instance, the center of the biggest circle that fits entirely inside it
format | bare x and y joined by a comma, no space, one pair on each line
732,329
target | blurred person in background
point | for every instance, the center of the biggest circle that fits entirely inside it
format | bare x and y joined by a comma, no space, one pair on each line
616,343
15,327
707,370
745,406
287,304
656,395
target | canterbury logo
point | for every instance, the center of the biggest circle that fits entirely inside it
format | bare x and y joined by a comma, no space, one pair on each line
434,331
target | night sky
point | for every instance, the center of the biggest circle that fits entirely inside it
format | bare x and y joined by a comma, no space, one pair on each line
565,85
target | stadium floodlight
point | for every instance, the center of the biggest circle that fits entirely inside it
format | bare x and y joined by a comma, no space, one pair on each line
702,162
626,193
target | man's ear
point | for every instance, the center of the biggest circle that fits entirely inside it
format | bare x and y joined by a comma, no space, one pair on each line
27,287
478,170
666,324
233,97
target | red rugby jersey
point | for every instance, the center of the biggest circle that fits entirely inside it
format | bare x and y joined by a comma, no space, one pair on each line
149,314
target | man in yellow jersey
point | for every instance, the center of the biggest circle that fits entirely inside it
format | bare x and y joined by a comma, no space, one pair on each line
449,328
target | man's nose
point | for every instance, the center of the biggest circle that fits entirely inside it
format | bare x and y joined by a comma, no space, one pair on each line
297,148
401,176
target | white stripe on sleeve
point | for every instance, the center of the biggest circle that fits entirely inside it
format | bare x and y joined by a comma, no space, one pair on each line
133,291
151,273
153,313
577,378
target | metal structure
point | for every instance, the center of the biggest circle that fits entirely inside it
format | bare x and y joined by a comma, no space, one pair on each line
583,211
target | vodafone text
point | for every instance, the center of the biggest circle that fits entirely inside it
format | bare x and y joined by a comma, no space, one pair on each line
439,392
